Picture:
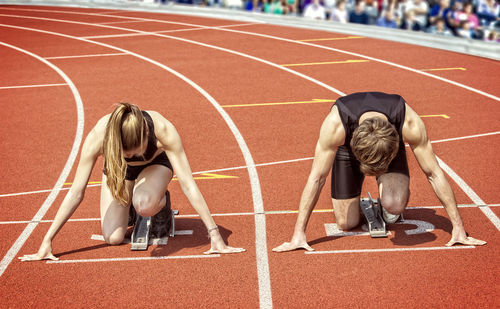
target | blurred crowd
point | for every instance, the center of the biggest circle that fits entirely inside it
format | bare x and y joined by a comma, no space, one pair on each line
475,19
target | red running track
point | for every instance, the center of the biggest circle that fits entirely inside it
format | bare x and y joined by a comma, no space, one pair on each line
195,77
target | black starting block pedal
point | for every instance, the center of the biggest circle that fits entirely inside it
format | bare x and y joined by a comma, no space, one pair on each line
140,235
372,211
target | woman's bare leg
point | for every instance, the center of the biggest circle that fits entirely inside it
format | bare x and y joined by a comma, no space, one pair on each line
114,215
149,190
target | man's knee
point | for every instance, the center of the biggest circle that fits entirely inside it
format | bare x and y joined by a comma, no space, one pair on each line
394,204
346,224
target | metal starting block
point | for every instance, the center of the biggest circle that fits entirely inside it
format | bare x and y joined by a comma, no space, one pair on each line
140,235
172,227
372,211
142,227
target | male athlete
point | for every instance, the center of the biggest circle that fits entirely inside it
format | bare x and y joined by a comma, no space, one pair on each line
365,134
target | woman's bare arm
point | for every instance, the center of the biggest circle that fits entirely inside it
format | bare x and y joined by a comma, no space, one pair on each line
171,141
90,151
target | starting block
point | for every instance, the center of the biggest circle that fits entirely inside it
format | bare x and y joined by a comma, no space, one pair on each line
140,235
142,228
372,211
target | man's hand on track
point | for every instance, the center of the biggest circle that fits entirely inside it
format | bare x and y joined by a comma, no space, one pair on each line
465,241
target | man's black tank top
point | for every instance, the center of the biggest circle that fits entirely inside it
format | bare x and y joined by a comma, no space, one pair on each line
151,149
352,106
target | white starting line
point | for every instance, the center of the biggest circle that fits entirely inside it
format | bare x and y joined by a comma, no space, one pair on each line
389,250
145,258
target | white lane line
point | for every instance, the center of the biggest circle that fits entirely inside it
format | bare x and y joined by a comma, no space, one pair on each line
471,194
14,249
370,58
290,41
263,275
86,56
121,22
41,191
49,221
135,259
389,250
464,137
108,36
315,81
230,214
97,14
33,86
263,164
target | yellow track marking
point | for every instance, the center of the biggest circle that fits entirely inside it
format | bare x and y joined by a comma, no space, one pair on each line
211,176
433,116
444,69
332,39
203,176
283,103
320,63
89,183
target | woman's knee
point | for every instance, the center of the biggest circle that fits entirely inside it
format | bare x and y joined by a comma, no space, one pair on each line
145,205
114,238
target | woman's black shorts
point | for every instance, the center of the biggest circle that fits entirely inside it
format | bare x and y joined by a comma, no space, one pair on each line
347,178
134,171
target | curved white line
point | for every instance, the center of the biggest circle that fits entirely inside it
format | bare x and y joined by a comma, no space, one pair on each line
321,84
14,249
259,164
286,40
370,58
260,223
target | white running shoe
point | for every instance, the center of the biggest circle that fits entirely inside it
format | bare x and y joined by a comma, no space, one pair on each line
388,217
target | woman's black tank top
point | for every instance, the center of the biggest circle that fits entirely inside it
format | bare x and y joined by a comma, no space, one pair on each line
151,149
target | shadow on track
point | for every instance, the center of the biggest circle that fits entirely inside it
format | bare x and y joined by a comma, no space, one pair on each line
198,240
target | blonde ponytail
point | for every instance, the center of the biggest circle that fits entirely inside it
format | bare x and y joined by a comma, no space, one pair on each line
126,130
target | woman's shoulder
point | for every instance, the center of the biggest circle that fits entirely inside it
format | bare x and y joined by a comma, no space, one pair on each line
100,126
161,124
159,121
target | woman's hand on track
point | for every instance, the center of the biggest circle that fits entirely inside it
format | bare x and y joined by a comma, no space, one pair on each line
44,253
225,249
219,246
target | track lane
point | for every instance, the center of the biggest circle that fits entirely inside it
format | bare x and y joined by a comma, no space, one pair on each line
16,246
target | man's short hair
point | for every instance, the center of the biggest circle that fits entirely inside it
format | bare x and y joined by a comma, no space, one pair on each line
375,144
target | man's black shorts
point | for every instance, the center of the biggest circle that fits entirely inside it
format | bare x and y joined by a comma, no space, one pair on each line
347,178
134,171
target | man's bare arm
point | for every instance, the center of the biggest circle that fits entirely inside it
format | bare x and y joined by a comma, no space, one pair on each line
415,135
332,135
